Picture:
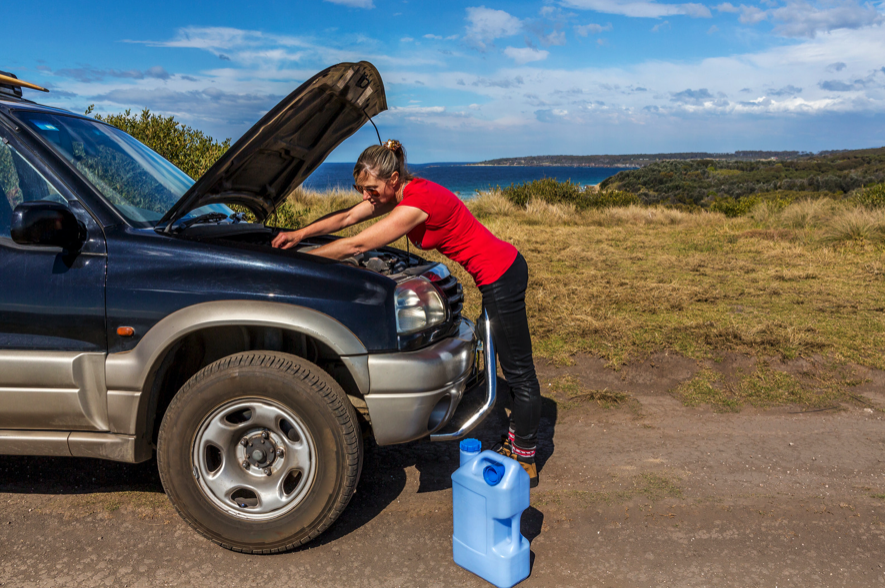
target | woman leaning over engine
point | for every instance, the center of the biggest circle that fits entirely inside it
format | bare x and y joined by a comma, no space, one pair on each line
434,218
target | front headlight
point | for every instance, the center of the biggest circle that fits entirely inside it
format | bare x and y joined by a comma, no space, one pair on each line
418,306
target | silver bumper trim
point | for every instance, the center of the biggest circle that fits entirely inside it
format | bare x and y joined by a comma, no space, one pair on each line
491,382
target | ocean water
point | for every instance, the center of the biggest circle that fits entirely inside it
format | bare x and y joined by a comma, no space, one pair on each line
466,180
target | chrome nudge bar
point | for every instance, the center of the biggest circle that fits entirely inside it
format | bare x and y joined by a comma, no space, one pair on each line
491,382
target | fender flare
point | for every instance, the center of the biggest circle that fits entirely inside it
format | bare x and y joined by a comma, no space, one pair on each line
128,372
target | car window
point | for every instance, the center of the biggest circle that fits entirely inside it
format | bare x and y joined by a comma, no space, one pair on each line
20,182
136,180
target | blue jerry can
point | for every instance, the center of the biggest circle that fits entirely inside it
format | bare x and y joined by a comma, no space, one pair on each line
489,493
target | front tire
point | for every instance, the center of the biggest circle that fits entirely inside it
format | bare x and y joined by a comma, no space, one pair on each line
260,452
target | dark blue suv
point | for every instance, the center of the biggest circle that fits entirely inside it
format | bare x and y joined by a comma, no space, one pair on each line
138,312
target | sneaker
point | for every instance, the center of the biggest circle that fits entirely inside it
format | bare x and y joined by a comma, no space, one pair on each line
528,464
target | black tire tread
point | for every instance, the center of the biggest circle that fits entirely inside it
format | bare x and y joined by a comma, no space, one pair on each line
326,388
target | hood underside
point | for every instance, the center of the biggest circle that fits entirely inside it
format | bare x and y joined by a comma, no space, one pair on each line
277,154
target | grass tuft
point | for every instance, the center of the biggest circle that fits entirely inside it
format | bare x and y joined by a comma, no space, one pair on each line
857,225
569,393
657,487
492,204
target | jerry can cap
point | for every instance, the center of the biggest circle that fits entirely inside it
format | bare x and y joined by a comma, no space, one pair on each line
493,473
471,445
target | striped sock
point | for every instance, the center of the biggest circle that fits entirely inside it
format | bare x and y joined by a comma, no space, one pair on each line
520,451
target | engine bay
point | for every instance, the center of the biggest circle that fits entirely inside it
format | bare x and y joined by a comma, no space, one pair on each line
386,261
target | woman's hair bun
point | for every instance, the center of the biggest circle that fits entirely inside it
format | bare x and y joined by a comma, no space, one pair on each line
393,145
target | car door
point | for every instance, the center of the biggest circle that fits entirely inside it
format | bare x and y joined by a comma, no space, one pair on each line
53,341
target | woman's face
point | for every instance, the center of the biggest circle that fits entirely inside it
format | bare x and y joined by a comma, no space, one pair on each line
376,190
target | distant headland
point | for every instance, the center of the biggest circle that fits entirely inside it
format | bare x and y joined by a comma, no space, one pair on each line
642,159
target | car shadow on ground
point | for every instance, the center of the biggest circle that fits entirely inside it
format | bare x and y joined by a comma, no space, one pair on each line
384,475
75,475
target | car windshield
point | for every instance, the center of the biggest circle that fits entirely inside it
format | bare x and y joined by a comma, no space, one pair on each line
136,180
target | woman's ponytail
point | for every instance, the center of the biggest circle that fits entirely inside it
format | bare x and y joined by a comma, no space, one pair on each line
382,160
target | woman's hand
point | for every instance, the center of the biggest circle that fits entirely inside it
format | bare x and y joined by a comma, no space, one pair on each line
287,239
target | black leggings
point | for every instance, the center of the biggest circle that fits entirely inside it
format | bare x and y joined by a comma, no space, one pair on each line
504,300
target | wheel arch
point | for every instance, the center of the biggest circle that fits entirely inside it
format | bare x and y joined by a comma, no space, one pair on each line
142,382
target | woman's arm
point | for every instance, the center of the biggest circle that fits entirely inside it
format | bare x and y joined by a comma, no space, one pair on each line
332,223
399,222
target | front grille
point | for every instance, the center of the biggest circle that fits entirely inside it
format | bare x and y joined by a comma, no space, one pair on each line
454,294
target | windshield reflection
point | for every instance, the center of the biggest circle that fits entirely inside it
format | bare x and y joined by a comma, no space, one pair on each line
136,180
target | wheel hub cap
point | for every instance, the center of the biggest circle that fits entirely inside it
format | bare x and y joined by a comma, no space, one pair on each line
260,452
254,459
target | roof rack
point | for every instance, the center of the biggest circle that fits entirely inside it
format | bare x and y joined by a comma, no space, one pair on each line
12,86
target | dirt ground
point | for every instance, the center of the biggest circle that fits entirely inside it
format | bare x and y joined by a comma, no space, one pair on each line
650,493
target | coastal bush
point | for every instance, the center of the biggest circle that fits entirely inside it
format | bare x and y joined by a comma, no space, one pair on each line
871,197
684,182
733,207
555,192
611,198
548,190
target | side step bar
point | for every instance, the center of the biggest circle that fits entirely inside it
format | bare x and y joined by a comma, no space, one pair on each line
74,444
489,375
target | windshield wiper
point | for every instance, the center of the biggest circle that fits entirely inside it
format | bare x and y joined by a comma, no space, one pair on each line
209,217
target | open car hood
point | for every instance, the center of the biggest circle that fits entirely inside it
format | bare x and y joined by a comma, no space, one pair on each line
277,154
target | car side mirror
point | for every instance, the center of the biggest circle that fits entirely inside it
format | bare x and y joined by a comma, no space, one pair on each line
47,223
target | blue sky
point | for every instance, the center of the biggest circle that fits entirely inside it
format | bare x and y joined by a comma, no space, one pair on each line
468,81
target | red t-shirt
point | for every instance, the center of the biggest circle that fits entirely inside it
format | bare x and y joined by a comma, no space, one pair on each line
453,231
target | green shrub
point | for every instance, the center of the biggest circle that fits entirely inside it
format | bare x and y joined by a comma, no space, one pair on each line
611,199
552,191
871,197
549,190
734,207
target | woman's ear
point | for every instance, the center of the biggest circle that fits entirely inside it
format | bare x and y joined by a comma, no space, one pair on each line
394,177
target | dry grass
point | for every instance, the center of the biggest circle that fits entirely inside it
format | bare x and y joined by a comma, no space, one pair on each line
568,392
622,283
859,225
492,203
809,213
821,386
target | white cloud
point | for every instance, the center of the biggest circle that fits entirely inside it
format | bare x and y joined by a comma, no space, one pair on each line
661,26
246,47
712,30
353,3
823,76
788,79
525,54
484,25
595,29
752,14
641,8
223,39
417,109
406,40
727,7
554,38
799,18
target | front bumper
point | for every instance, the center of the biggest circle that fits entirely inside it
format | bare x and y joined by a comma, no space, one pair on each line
416,393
